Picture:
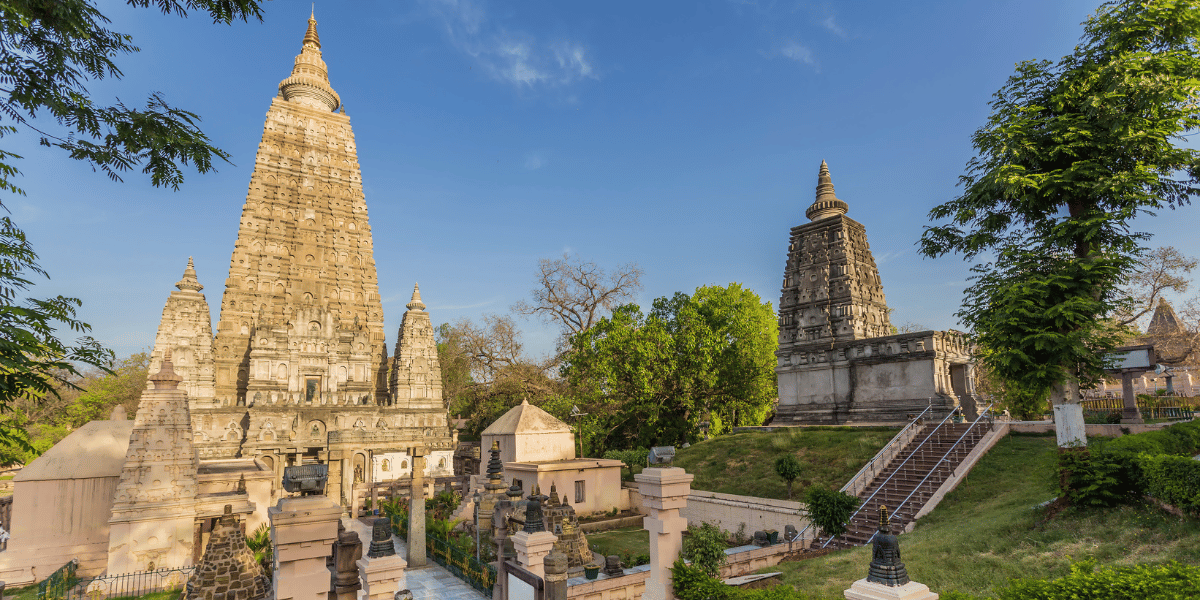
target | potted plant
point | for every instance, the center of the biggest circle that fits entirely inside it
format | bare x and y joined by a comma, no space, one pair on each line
591,570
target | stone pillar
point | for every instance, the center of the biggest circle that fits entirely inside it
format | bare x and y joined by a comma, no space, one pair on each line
664,491
1130,414
416,510
303,531
345,561
556,576
532,549
381,577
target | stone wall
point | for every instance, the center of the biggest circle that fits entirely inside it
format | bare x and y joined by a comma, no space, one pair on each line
729,512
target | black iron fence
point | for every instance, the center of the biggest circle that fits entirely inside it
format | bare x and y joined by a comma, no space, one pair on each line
480,575
64,585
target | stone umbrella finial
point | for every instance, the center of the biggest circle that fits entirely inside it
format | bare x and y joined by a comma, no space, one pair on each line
166,378
415,303
827,204
309,82
189,281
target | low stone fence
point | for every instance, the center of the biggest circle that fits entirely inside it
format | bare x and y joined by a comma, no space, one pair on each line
1093,430
746,513
742,560
608,524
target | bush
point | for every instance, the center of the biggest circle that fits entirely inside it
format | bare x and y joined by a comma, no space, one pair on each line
631,458
1174,480
1112,471
705,547
828,509
1091,478
1170,580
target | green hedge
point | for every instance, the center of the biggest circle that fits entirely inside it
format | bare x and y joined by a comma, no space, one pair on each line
1170,581
1142,582
1113,471
1174,480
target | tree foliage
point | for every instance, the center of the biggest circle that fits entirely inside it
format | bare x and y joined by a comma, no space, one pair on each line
651,379
48,50
1072,152
789,468
705,548
829,510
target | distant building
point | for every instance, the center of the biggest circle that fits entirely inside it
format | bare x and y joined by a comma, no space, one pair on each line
838,361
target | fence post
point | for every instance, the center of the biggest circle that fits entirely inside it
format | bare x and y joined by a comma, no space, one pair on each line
556,576
664,491
303,531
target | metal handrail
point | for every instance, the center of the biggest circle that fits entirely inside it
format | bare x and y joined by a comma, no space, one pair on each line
800,535
889,478
894,440
936,466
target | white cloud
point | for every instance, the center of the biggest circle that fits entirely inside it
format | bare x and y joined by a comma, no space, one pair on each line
514,57
832,26
534,162
793,50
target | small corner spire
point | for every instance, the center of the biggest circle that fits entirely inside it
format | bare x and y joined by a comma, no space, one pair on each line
415,303
189,281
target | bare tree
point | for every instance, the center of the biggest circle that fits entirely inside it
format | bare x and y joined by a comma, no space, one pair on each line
576,294
1162,269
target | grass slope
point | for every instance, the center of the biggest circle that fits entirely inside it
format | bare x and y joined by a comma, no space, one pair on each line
986,533
633,540
745,463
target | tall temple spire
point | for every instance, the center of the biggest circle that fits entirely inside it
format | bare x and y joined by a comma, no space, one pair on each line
827,204
309,81
189,281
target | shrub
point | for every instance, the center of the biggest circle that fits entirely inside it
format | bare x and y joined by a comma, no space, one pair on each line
705,547
828,509
1090,478
789,469
1170,580
1174,480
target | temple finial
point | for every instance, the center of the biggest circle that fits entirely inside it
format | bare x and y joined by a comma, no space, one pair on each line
415,303
309,81
827,204
189,281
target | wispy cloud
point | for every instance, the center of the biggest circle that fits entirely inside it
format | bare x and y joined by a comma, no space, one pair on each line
793,50
831,24
465,306
534,161
512,56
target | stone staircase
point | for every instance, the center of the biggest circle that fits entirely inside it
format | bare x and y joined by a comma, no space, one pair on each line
909,480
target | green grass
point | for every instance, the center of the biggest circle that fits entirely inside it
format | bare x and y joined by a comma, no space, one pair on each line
986,532
29,592
633,540
745,463
6,477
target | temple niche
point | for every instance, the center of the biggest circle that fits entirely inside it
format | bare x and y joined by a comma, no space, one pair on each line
838,361
297,373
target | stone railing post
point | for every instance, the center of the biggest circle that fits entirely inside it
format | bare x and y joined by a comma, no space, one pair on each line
303,531
416,510
556,576
664,491
381,571
532,549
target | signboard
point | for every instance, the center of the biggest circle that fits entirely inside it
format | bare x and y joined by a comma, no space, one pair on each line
1130,358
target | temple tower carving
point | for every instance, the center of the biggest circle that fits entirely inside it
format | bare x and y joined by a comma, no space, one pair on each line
186,331
416,380
301,318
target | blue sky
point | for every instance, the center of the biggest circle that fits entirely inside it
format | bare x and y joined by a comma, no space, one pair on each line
683,136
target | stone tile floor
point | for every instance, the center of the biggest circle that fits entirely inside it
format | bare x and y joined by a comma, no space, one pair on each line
431,582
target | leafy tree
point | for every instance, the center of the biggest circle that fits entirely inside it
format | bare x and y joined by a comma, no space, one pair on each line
789,469
650,379
632,458
1072,152
123,386
829,510
47,52
705,547
1160,270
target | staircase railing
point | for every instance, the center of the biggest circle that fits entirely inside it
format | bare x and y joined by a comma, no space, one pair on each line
986,412
893,474
896,440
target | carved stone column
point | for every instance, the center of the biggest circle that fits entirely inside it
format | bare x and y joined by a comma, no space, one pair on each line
664,491
416,510
556,576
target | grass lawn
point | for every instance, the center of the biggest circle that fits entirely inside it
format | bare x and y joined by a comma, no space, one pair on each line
986,532
744,463
633,540
30,593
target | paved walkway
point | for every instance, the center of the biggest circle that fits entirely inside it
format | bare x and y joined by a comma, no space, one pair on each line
431,582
